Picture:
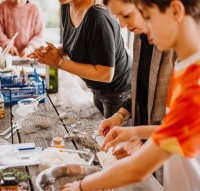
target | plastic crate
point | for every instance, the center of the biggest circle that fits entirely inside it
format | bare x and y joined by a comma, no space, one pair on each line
33,87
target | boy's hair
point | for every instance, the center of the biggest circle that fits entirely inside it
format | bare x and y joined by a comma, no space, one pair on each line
105,2
192,7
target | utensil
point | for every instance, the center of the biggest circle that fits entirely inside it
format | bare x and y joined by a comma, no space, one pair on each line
14,130
9,129
31,101
10,44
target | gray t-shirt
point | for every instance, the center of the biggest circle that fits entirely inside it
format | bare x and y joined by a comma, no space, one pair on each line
97,40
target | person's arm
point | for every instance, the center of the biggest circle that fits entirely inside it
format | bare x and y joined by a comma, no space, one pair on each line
88,71
124,134
127,105
52,57
132,169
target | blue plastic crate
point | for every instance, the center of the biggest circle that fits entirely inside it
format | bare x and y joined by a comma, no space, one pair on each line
14,85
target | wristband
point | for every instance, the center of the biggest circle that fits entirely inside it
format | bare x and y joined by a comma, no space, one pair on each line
121,116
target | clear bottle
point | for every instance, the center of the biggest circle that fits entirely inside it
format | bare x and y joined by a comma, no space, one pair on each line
52,79
58,142
23,77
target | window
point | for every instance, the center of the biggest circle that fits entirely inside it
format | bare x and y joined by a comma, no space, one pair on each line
51,14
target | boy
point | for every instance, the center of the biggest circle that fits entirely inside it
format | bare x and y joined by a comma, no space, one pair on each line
169,22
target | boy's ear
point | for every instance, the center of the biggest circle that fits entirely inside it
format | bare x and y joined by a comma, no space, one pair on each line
178,10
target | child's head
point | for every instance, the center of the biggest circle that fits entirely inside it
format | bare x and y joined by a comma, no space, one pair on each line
128,15
192,7
167,20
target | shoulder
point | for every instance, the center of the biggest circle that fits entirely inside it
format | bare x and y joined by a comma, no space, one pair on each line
33,6
100,13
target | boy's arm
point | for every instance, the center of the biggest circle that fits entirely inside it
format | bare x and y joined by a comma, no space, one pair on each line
128,170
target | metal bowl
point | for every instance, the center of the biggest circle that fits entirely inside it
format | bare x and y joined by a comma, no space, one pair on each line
53,179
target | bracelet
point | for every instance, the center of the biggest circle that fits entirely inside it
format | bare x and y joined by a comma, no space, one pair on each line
121,116
60,63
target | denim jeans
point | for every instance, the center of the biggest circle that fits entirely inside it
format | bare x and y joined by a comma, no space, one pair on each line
109,103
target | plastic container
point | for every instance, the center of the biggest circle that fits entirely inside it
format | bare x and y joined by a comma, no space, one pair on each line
53,157
21,158
22,86
9,182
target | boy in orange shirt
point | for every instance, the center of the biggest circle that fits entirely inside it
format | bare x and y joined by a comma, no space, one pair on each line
177,139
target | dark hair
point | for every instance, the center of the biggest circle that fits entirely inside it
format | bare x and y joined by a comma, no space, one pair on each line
105,2
192,7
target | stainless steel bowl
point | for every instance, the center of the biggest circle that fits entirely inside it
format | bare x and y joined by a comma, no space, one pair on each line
53,179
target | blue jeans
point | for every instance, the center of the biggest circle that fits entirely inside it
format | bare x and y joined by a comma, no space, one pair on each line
109,103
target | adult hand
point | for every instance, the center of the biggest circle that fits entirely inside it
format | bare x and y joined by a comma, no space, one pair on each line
75,186
42,50
49,55
13,51
117,135
128,149
107,124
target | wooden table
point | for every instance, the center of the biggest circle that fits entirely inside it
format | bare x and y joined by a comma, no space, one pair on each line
82,115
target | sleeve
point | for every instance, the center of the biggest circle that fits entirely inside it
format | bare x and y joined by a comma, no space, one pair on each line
36,40
4,40
180,130
127,105
101,40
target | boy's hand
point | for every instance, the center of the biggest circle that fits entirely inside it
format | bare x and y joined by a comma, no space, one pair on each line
117,135
128,149
74,186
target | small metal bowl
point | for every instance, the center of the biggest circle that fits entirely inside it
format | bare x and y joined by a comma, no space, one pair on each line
54,178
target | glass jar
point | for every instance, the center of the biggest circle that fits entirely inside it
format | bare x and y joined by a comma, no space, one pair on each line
2,114
58,142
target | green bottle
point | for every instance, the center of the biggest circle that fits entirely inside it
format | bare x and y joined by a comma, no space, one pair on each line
51,79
